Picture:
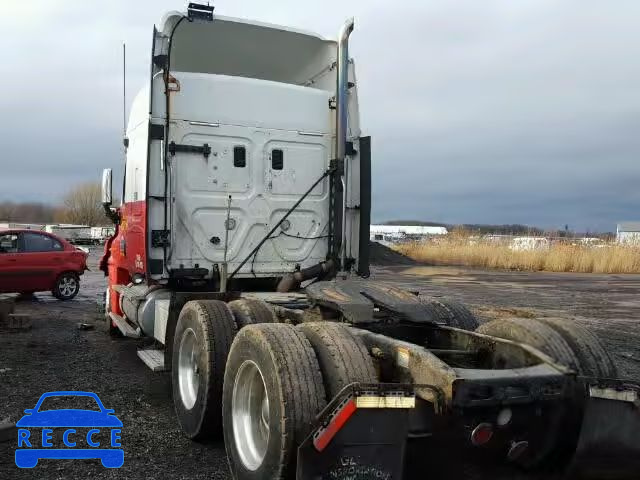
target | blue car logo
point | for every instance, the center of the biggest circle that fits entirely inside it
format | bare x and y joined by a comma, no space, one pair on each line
69,433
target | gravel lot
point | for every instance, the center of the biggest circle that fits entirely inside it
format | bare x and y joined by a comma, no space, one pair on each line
56,355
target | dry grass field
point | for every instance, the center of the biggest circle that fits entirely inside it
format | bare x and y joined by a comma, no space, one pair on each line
460,249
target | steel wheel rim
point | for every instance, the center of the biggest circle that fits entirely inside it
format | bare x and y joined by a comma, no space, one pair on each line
67,286
250,415
188,370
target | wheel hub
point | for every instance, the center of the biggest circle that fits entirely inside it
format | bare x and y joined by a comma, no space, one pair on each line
188,370
250,415
67,286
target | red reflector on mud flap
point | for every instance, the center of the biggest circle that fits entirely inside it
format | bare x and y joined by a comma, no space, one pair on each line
326,434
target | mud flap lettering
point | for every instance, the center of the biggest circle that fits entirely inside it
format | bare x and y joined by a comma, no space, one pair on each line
350,468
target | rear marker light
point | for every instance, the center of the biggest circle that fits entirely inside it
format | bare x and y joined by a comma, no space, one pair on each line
482,434
504,417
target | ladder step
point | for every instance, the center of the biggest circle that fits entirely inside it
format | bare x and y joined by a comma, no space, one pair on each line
126,329
154,359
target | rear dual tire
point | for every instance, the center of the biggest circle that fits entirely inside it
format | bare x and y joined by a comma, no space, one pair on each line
249,311
564,341
201,343
278,378
452,313
569,345
342,356
272,391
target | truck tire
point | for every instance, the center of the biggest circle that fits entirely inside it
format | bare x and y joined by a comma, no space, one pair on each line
67,286
343,358
534,333
272,392
201,344
248,311
593,359
453,313
554,443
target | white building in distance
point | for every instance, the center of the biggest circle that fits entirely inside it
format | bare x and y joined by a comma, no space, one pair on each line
395,233
628,233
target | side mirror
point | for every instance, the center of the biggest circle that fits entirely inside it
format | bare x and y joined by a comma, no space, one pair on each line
29,411
106,187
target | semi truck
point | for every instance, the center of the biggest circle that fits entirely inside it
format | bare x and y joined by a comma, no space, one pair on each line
241,255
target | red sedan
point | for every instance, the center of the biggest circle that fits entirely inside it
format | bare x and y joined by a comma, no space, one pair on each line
34,261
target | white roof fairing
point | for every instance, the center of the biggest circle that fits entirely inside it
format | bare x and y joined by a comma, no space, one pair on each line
244,48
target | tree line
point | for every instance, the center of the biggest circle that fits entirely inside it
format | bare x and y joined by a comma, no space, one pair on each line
506,229
81,206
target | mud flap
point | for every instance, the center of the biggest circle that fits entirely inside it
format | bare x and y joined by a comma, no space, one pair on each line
361,434
609,442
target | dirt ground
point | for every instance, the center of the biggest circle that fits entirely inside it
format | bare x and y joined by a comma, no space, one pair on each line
56,355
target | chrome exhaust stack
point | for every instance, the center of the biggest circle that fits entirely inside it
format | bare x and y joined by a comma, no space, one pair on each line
342,88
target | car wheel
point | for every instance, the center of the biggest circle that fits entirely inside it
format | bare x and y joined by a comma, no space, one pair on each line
67,286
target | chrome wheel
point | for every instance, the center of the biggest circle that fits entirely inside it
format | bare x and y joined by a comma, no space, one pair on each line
188,370
250,415
67,286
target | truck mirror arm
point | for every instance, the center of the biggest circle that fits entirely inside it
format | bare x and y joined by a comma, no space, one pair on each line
111,213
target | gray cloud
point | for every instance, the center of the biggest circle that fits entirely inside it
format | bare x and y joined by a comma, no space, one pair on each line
490,111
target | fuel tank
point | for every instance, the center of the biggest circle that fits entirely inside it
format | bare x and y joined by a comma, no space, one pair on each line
140,303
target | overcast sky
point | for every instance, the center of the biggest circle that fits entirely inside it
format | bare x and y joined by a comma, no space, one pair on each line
504,111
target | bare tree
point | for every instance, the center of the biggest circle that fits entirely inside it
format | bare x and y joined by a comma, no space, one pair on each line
26,212
82,205
8,211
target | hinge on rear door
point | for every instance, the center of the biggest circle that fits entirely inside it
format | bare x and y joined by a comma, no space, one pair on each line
160,238
177,147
